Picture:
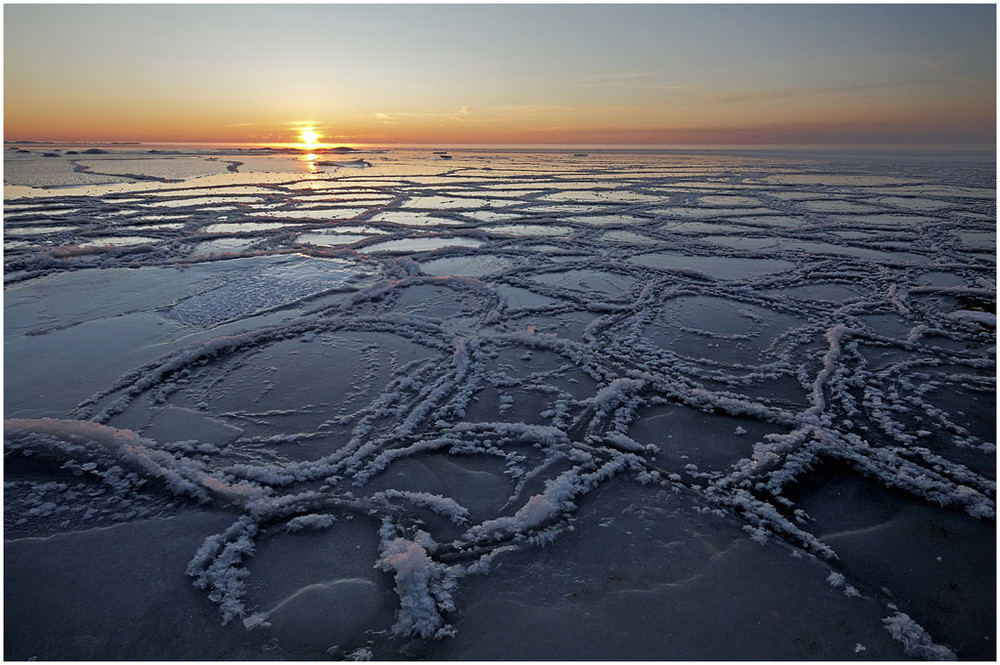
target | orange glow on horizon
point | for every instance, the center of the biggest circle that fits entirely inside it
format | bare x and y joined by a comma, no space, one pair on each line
945,122
665,75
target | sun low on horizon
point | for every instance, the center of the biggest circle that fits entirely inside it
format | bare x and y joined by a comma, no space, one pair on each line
309,138
574,74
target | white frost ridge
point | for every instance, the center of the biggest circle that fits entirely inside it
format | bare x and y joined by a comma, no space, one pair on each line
916,641
81,438
419,586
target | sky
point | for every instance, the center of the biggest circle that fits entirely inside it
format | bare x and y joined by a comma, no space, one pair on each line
508,73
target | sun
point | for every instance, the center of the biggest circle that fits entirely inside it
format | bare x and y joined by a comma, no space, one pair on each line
309,138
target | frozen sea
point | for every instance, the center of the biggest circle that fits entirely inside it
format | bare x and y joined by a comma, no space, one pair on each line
486,404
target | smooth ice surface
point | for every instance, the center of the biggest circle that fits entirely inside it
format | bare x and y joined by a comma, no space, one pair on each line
633,404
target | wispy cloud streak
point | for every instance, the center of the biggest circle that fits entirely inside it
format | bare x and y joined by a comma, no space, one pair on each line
392,118
789,93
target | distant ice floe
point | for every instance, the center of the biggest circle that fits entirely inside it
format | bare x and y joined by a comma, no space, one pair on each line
464,360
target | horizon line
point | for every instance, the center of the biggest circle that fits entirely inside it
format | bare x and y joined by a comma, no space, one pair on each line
595,144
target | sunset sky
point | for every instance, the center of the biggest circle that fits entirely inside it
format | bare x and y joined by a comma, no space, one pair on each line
661,74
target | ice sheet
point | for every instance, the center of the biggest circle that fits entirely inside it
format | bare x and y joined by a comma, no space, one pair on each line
512,405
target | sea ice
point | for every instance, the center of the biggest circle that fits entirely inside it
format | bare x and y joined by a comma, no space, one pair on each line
513,405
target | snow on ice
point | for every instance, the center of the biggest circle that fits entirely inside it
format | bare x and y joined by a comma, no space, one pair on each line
418,387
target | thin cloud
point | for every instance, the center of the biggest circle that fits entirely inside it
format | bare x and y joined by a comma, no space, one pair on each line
789,93
391,118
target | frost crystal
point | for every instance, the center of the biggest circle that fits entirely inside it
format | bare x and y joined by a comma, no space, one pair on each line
916,641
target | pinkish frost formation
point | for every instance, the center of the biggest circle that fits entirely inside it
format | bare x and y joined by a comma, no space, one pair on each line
414,573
